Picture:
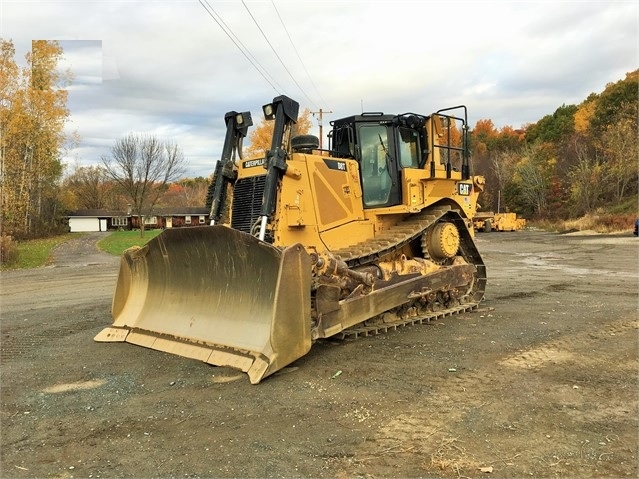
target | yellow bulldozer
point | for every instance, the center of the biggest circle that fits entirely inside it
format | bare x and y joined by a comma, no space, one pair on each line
305,243
488,221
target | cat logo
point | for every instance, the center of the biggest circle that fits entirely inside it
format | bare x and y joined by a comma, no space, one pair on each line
464,189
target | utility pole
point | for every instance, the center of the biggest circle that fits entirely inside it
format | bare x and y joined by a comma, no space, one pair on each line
319,122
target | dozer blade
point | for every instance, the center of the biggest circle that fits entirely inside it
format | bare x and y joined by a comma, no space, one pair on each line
218,295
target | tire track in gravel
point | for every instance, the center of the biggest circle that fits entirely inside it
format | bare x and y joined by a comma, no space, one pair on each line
558,351
429,429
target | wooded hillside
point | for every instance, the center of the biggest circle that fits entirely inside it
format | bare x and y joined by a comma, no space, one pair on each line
570,163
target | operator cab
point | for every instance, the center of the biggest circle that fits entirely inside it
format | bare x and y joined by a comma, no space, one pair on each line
383,145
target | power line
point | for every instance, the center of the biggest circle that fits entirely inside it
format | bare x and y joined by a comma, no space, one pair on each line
256,64
297,53
277,55
236,41
321,112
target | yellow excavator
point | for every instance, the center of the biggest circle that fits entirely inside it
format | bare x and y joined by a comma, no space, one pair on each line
305,243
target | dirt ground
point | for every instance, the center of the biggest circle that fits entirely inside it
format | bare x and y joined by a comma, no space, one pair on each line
541,381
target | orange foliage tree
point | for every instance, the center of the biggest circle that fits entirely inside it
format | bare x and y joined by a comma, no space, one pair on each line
260,137
185,192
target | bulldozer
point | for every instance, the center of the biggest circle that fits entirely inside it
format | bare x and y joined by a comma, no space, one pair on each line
304,243
488,221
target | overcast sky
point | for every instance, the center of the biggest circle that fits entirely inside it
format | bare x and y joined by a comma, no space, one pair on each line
173,68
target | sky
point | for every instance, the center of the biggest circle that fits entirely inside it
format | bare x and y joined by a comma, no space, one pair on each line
173,68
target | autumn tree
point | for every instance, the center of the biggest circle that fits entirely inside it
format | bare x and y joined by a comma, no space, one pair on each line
503,168
143,167
612,104
260,137
186,192
614,131
495,154
619,146
586,181
571,162
87,188
483,136
584,114
533,177
33,113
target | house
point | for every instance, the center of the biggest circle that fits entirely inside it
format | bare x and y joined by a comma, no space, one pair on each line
104,220
98,220
174,217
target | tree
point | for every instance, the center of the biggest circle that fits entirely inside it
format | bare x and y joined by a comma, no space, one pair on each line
587,183
483,136
89,187
555,127
32,116
495,153
608,109
260,137
186,192
503,168
584,114
621,152
480,138
533,175
142,167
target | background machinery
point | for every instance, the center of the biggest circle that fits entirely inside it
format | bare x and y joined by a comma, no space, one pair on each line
304,244
488,221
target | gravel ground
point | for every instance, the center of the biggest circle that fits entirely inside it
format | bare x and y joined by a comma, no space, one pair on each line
541,381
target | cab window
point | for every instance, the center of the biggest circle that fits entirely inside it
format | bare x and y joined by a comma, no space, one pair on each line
376,180
408,148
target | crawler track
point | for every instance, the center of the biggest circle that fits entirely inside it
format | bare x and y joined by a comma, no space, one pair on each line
393,239
362,330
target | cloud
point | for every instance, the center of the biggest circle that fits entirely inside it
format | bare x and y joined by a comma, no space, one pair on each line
83,59
170,69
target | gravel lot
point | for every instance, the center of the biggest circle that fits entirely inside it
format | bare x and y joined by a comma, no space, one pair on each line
541,381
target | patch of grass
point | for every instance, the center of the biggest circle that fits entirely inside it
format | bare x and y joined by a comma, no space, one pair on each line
602,223
118,241
35,253
626,207
599,222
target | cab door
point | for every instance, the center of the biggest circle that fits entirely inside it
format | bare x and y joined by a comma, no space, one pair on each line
378,165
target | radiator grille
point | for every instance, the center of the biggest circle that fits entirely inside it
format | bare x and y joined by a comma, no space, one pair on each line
247,201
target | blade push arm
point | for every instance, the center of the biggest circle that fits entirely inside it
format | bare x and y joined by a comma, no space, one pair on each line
237,125
284,111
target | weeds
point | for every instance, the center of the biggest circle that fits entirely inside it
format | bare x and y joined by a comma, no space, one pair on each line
8,250
30,253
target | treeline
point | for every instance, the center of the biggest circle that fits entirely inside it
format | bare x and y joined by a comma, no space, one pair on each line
573,162
92,188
